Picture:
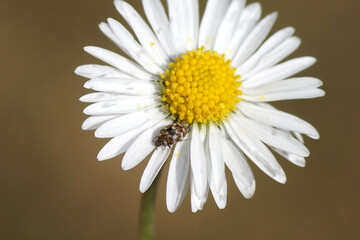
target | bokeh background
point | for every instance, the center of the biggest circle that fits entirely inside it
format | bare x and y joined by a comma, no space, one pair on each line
52,186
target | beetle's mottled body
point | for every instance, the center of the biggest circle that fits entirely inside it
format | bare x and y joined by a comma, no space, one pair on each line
171,135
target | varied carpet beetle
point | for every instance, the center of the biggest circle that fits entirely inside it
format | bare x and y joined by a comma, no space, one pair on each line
171,135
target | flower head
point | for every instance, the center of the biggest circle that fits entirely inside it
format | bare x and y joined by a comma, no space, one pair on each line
202,89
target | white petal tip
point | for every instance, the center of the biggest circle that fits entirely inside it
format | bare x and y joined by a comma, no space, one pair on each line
255,5
290,30
280,176
274,14
171,207
322,93
118,3
88,48
312,60
84,127
81,99
87,85
111,21
222,204
104,154
99,134
250,191
202,203
101,158
142,190
102,25
143,187
85,111
248,196
281,179
315,136
78,71
301,164
124,166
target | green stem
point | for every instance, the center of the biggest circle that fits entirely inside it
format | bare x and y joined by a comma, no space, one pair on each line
147,212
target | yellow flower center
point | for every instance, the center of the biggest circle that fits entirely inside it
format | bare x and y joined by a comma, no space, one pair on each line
200,86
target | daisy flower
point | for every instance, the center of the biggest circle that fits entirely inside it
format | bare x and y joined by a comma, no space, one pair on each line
198,93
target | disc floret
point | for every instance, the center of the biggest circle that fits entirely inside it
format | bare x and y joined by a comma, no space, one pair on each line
201,86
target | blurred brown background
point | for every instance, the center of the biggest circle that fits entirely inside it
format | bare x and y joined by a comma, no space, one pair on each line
52,187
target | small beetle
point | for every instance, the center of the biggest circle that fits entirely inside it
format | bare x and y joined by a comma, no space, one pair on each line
171,135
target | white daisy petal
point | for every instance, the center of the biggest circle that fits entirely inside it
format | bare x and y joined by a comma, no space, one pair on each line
295,159
142,146
276,39
203,135
193,29
121,125
118,145
271,97
288,85
279,72
184,193
213,15
123,85
102,96
279,119
94,122
198,161
119,62
249,17
245,190
299,136
121,143
128,105
241,171
255,38
107,31
256,151
179,22
275,56
228,25
237,164
95,70
132,48
177,176
156,15
216,163
193,198
153,167
197,203
221,197
272,136
146,37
